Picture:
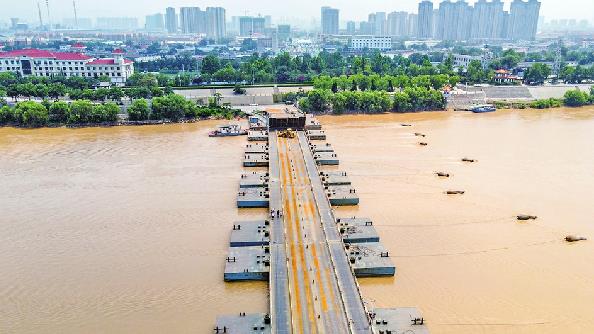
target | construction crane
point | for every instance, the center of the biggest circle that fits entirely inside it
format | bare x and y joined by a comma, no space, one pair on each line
75,15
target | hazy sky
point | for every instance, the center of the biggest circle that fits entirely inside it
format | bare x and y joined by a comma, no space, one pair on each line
306,9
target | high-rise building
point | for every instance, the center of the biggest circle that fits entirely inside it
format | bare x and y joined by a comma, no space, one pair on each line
171,20
192,20
463,20
523,20
397,24
267,21
412,23
216,24
249,25
154,22
365,28
487,19
454,21
351,28
371,24
425,20
330,21
497,16
380,24
283,32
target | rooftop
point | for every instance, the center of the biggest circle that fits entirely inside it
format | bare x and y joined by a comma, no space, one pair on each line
36,53
107,61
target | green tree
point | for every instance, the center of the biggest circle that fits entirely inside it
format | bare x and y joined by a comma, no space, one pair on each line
475,72
58,112
210,64
138,93
319,100
80,112
111,111
142,80
575,98
173,107
27,90
41,91
163,80
56,90
139,110
183,80
6,114
115,94
537,74
32,113
101,94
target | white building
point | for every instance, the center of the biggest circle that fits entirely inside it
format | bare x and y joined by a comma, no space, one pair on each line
43,63
371,42
462,61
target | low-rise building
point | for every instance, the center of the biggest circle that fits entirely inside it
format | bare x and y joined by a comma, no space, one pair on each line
44,63
506,77
371,42
462,61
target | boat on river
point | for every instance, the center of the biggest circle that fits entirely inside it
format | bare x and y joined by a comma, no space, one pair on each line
483,108
230,130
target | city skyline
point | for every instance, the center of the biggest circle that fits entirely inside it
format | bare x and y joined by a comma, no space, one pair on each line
307,11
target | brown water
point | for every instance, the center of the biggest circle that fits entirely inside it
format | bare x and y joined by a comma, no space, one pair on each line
121,230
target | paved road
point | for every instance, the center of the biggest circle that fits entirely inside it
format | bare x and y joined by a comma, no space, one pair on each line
315,297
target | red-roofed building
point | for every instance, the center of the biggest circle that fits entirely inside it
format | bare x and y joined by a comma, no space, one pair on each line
44,63
505,77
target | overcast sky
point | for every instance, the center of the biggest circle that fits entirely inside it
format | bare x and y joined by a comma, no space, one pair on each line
305,9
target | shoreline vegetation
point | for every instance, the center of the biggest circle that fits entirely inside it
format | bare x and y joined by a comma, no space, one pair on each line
173,108
170,108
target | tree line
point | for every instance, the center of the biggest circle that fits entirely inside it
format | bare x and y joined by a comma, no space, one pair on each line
35,114
373,101
170,107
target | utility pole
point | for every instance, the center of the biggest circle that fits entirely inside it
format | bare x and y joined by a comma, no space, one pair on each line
558,59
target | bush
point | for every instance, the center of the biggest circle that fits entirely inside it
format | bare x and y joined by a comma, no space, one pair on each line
576,98
173,107
139,110
58,112
238,90
546,103
6,115
31,113
80,112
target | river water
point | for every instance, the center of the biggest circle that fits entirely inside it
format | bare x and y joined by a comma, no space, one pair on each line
119,230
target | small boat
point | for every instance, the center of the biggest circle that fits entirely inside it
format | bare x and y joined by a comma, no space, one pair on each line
483,108
230,130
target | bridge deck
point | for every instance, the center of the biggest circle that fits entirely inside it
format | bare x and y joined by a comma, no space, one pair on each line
313,288
280,308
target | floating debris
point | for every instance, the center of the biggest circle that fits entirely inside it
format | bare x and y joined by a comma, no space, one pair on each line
526,217
423,144
468,160
442,174
455,192
418,134
573,238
